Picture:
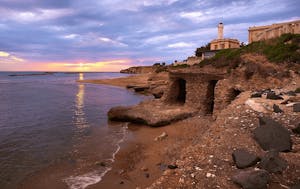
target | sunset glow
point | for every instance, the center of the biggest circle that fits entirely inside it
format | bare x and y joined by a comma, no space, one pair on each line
104,36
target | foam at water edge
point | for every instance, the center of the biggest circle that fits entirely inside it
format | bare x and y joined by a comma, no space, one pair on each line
82,181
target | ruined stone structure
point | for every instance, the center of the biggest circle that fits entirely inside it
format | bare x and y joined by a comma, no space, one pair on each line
196,90
223,43
207,92
271,31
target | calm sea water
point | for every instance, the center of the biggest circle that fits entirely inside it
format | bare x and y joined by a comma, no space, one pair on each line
43,118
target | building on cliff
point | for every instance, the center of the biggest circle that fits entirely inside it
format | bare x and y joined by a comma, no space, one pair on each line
215,45
223,43
260,33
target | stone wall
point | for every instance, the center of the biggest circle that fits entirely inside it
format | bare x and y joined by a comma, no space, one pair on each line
272,31
199,90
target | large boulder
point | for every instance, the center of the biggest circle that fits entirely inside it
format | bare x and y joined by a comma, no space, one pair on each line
271,135
296,107
273,163
252,179
153,113
243,159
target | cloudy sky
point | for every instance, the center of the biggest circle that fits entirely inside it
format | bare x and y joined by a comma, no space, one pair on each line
108,35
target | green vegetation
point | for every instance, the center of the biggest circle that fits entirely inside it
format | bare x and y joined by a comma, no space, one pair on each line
202,49
181,66
278,50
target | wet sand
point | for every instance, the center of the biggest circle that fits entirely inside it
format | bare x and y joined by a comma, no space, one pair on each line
139,79
142,160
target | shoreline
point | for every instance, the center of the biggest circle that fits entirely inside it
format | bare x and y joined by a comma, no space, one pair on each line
138,79
199,145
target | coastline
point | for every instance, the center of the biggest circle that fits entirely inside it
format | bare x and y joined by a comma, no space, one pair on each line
138,79
141,159
200,146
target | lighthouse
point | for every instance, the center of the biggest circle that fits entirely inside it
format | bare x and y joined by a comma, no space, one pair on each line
220,30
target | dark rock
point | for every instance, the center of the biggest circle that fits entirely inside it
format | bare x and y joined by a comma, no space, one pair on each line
291,93
271,135
122,182
252,179
140,88
147,175
296,129
256,95
276,109
295,186
265,91
243,159
271,95
158,94
130,86
172,166
296,107
273,163
103,164
285,102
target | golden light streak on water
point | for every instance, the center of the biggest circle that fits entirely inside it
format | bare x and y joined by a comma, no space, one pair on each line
80,120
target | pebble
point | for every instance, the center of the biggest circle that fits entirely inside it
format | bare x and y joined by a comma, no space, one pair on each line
198,168
209,175
193,175
144,169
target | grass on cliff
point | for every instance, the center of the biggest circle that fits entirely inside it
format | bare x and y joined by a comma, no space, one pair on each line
284,49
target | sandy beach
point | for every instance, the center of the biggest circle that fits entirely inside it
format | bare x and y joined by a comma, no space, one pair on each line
138,79
141,159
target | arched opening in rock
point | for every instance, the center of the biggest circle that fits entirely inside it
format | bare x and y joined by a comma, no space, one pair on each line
181,91
210,97
232,94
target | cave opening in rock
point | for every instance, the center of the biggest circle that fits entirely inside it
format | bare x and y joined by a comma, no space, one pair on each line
181,93
210,96
232,94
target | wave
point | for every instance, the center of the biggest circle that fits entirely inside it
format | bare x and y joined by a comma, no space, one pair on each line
90,178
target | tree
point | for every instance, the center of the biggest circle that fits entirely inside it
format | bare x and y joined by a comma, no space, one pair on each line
202,49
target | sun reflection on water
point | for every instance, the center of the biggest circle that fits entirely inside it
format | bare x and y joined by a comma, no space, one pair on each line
80,120
81,76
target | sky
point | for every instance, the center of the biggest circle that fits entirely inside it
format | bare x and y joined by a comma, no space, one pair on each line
109,35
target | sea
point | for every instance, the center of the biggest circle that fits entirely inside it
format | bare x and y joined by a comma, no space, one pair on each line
46,119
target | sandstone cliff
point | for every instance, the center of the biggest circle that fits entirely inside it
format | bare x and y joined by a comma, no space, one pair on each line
139,70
